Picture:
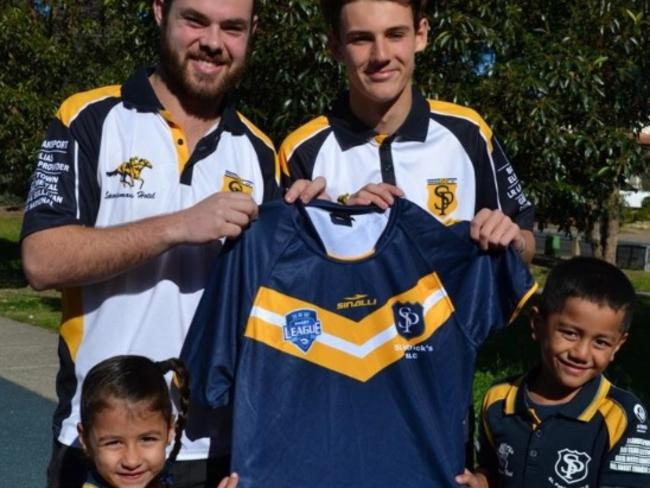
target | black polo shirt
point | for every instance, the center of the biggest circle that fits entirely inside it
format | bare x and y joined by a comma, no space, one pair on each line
598,439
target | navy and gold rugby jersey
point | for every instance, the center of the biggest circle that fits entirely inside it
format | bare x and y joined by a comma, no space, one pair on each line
444,157
346,338
598,439
112,156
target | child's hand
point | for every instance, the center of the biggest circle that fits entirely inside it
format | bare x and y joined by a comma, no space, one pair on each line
472,480
229,482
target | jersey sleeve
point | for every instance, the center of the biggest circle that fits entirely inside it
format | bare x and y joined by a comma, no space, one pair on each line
215,337
627,464
63,188
497,181
488,289
486,457
211,346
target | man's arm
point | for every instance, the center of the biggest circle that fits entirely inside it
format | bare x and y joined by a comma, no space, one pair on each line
74,255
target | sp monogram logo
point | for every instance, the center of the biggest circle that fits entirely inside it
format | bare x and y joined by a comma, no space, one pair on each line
442,196
572,466
409,319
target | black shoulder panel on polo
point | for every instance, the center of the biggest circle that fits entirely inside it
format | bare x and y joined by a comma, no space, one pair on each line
87,128
301,163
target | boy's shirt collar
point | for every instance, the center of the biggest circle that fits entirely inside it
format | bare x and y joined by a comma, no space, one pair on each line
350,131
582,407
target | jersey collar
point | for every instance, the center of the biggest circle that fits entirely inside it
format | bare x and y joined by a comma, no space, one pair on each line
583,406
138,94
351,132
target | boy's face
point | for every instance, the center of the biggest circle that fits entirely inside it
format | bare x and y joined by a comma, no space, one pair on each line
578,342
377,43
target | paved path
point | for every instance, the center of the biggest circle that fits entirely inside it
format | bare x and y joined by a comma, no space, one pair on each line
28,365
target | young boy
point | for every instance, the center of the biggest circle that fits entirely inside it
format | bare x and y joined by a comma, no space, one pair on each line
382,139
563,424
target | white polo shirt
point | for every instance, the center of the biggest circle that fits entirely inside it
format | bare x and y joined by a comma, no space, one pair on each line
112,156
444,157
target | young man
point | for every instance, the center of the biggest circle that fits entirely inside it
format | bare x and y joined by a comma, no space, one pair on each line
564,424
134,188
382,139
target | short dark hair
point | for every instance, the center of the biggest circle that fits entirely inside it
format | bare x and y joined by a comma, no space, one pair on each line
331,10
590,279
168,3
134,379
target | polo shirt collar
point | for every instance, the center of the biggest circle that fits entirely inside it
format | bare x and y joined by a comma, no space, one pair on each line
350,131
138,93
582,407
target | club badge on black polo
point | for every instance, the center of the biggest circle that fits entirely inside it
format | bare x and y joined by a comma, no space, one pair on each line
302,327
572,466
409,319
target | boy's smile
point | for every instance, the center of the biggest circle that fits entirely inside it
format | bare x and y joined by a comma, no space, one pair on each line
577,344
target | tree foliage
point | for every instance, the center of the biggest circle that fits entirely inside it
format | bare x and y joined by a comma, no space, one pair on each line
563,84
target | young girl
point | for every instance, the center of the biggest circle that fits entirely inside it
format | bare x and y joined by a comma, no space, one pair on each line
126,422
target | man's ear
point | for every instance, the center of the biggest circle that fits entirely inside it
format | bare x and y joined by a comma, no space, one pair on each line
334,46
535,321
254,24
158,11
421,34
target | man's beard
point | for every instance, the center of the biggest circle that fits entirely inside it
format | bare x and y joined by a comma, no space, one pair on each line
198,96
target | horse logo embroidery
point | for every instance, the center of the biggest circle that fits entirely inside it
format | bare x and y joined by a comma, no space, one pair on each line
131,171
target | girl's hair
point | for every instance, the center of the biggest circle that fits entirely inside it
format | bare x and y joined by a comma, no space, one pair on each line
136,379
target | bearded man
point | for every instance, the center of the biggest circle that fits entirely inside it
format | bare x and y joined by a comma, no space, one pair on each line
134,190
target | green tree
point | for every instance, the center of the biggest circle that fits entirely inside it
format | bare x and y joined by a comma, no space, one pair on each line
566,93
564,84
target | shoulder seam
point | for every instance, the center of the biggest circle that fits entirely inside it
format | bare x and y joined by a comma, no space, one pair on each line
76,103
616,427
449,109
256,131
301,135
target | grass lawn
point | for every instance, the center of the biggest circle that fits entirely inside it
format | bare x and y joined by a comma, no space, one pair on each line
508,353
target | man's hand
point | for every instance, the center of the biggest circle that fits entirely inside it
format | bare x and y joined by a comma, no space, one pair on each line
229,482
472,480
223,214
306,190
493,229
381,194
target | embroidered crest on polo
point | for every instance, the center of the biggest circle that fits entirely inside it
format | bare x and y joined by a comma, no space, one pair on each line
572,466
302,327
640,413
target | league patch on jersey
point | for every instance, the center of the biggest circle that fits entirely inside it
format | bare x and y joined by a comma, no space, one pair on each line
442,197
572,466
302,328
409,319
131,171
233,182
